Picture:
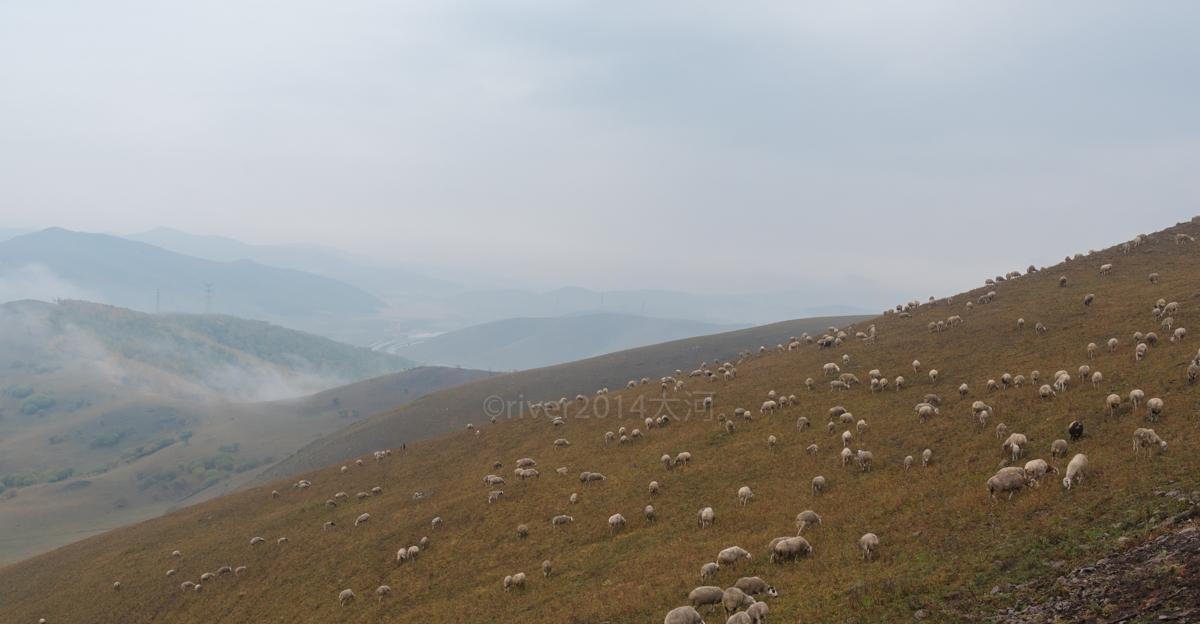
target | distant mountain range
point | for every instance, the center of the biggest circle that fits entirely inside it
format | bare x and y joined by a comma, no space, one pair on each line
522,343
58,263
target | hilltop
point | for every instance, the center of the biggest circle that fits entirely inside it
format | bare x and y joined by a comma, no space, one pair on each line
947,552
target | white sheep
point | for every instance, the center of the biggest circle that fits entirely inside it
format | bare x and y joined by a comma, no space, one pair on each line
362,518
709,570
818,484
1147,439
345,597
1075,469
706,517
728,557
733,599
1010,479
616,522
683,615
1112,403
805,519
1035,469
869,544
1058,448
745,495
789,548
926,457
1155,407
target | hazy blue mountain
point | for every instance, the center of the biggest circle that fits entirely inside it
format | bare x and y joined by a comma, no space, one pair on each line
389,283
522,343
57,263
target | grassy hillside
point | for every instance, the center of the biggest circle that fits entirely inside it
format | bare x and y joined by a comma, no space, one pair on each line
68,473
944,544
521,343
440,412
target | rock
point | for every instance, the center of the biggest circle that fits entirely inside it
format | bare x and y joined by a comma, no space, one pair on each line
920,614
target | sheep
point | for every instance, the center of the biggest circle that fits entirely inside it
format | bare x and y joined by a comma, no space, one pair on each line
916,366
1146,439
1155,407
1035,469
706,595
561,442
728,557
908,461
1105,269
802,423
865,459
437,521
683,615
772,441
847,438
862,427
1139,352
733,599
1179,334
926,457
789,548
561,520
1075,469
239,570
1088,299
818,485
616,522
933,375
812,449
705,517
522,531
1112,345
745,495
1112,403
1012,445
574,498
1046,392
1058,448
256,540
1075,430
653,488
1097,379
345,597
1040,328
1011,480
869,544
683,458
516,581
1062,281
186,585
709,570
756,613
649,514
806,518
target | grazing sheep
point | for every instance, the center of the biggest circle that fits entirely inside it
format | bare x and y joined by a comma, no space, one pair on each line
745,495
1112,403
574,498
1105,269
926,457
1136,396
1139,352
653,488
1179,334
616,522
706,517
1075,469
1088,299
1075,430
256,540
522,531
755,586
728,557
1046,392
683,615
1097,379
865,460
1011,480
789,548
908,461
345,597
1035,469
1155,407
756,613
806,518
648,513
709,570
516,581
382,591
818,485
1147,439
561,520
683,458
733,599
1058,448
802,423
916,366
869,544
706,595
933,375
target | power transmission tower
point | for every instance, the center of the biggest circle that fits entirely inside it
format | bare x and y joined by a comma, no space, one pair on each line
208,297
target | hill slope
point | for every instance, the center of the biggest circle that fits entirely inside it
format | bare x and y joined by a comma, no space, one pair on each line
68,476
943,544
440,412
521,343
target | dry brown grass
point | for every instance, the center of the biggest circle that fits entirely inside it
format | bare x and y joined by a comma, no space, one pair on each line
943,544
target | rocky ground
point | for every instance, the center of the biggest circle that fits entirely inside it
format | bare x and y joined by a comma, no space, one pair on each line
1156,580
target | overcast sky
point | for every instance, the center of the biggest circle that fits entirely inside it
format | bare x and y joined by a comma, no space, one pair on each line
725,147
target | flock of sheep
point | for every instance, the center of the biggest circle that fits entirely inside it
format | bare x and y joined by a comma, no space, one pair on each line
744,602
